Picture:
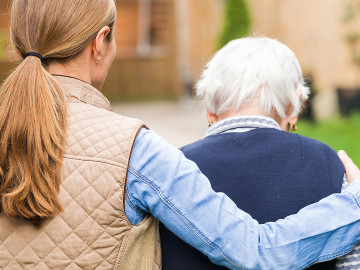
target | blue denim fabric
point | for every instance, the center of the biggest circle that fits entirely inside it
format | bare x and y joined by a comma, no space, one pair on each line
171,188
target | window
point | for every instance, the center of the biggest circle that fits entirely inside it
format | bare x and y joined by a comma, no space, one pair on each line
143,27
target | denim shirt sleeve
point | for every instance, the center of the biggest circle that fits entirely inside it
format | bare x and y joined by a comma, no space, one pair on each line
162,182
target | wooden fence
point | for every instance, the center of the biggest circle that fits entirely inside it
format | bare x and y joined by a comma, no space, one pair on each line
146,78
131,79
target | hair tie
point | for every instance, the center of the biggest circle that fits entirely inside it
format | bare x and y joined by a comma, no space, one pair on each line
38,55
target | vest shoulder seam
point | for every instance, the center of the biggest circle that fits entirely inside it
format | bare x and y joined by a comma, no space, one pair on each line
94,159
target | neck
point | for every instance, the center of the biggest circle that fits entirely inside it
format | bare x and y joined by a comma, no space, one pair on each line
70,71
77,67
252,109
241,112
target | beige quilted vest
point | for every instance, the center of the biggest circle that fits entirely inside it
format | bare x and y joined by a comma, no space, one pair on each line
92,232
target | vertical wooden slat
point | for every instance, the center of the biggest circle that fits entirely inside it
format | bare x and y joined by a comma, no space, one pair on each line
159,23
126,27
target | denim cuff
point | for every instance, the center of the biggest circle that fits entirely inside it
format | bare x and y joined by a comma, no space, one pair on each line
354,189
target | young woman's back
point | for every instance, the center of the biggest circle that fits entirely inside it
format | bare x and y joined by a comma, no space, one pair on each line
92,231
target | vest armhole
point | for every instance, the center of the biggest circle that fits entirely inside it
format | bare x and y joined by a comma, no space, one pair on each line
127,172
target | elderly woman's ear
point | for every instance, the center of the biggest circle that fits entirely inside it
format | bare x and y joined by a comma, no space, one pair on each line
289,122
292,123
293,119
211,117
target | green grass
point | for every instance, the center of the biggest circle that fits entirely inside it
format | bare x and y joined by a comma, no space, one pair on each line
339,133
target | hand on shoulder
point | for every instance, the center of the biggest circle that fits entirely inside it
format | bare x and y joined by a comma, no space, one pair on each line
352,171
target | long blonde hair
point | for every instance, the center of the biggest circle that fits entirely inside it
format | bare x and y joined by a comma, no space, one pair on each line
33,105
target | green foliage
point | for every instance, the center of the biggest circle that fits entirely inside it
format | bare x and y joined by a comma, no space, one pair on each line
352,37
340,133
237,21
350,16
349,13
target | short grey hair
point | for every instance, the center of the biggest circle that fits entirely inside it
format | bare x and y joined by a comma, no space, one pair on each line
253,67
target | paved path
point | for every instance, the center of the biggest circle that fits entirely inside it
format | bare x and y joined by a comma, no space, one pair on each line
179,122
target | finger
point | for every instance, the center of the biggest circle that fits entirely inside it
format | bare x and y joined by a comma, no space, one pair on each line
352,171
346,160
344,157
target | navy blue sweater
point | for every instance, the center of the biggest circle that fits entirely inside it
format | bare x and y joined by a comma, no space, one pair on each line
267,172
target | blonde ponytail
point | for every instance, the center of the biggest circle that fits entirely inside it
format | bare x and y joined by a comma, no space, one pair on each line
33,105
32,132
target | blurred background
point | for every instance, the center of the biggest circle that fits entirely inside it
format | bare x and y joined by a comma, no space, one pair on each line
162,46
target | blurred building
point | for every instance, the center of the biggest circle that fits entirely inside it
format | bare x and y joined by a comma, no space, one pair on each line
146,62
5,50
4,19
162,45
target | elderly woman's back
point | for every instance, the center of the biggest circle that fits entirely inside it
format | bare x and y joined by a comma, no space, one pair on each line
254,91
269,173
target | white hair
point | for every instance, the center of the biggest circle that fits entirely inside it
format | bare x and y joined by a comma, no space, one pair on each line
253,68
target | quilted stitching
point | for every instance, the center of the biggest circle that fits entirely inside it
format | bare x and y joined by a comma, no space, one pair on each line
93,228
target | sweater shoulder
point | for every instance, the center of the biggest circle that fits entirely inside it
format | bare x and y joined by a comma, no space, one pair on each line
275,145
313,146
